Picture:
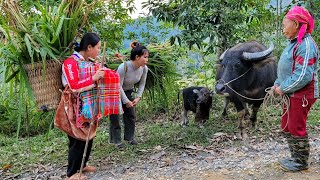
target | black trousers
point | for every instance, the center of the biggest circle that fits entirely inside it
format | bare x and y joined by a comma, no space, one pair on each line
129,118
76,149
115,129
129,122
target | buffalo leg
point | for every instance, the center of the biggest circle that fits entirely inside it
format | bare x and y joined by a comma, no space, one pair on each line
225,107
184,118
201,117
201,120
247,113
200,123
253,117
241,113
243,133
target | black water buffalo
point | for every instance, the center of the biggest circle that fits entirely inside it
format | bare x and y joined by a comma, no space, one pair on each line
247,70
198,100
219,72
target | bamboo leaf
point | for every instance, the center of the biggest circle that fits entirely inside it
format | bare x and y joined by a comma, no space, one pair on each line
58,30
44,56
29,47
12,76
21,90
24,76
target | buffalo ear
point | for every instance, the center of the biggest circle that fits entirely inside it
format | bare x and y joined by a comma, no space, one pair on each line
196,91
217,65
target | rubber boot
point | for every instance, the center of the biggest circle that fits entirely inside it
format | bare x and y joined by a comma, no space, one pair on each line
115,131
301,149
290,142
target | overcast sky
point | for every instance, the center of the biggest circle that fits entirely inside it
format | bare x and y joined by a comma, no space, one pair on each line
138,9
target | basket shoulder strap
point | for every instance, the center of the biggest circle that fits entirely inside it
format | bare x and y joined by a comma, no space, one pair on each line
125,66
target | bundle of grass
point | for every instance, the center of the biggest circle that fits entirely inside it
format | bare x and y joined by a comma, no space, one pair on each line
35,41
161,75
32,42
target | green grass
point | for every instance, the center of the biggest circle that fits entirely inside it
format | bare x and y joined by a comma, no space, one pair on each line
314,115
24,153
52,147
34,150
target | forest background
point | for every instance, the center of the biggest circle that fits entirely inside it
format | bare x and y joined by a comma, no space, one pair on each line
185,39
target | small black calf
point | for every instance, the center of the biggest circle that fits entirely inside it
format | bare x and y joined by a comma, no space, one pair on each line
198,100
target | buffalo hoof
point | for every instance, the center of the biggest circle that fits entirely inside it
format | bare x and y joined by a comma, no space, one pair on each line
253,126
224,114
201,126
184,124
247,113
238,135
242,136
225,118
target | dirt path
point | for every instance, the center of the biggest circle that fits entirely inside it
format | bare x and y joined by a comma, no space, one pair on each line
238,160
250,161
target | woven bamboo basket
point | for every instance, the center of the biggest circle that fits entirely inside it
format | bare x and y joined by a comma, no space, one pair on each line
46,86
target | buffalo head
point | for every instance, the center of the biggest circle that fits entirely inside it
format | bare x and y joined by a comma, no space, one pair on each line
204,95
236,64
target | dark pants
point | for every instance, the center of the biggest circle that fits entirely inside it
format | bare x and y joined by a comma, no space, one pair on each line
115,129
129,118
129,121
76,149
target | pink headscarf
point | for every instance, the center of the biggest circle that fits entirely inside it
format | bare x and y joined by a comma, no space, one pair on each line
303,17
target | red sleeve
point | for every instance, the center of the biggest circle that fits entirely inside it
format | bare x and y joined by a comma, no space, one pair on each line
70,69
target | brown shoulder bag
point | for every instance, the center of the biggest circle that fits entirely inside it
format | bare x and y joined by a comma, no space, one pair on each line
65,117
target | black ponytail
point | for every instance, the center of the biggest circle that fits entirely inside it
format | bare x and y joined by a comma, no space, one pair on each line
137,50
76,46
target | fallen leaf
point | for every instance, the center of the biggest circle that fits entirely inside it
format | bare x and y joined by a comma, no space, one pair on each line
191,147
210,151
210,158
218,134
6,167
167,162
189,161
194,147
55,177
157,155
143,150
158,148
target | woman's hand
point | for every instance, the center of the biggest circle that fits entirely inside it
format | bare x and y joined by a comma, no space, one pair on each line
118,55
129,104
135,101
278,90
98,75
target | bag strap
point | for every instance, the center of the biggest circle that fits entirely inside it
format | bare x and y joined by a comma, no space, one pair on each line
125,66
77,96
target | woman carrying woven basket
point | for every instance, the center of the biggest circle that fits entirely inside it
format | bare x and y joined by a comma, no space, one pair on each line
297,79
131,72
98,95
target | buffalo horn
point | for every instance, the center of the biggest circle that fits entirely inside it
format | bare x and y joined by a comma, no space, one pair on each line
258,55
222,55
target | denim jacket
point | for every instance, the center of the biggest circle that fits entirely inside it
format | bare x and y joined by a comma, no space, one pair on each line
298,69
